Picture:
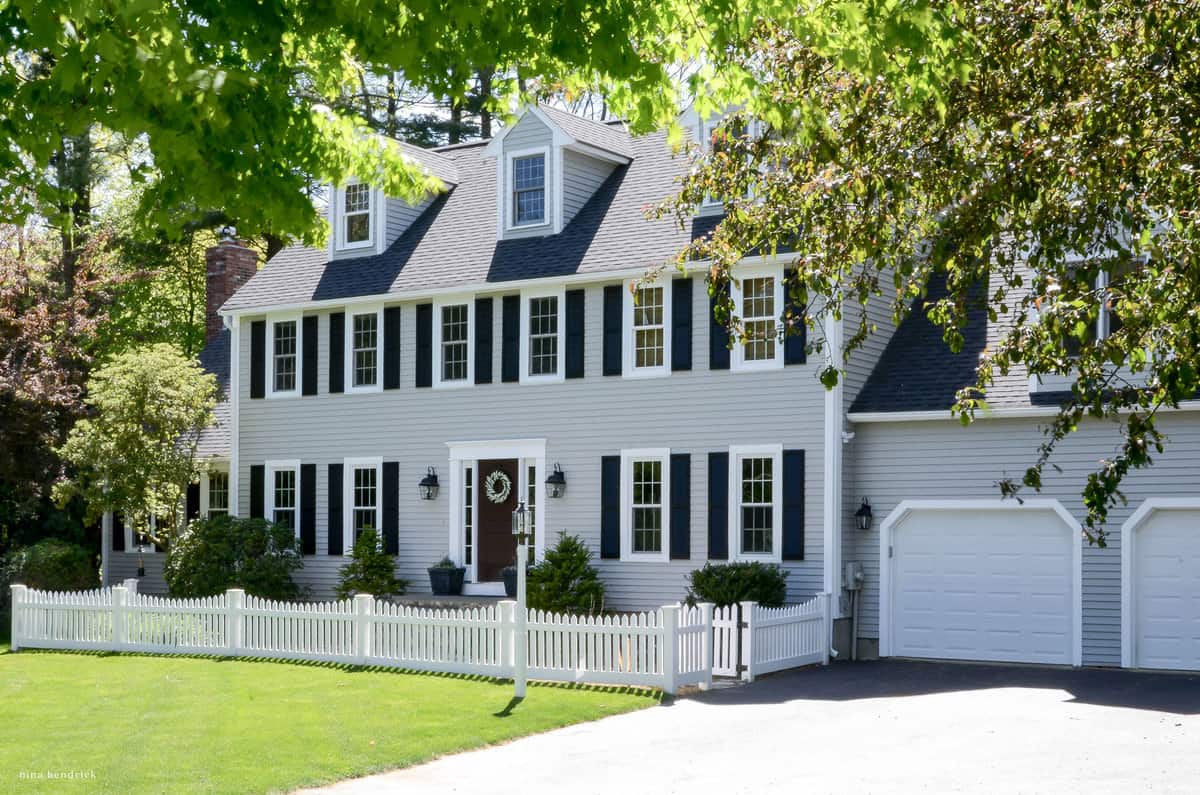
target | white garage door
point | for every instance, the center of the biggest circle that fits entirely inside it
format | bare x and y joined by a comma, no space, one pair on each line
984,583
1166,598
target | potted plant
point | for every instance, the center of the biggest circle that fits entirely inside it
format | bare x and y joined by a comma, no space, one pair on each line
509,573
446,577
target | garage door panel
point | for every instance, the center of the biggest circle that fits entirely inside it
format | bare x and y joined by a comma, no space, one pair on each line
983,585
1166,591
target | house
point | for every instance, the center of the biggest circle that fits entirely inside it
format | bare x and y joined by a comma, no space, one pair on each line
487,338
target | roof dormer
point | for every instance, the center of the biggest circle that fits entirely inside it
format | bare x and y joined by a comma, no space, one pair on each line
548,164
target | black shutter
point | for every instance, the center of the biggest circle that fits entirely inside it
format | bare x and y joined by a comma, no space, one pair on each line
610,506
796,339
258,508
391,347
718,339
793,505
334,489
118,532
193,501
614,308
483,340
510,354
681,506
391,507
681,324
308,371
337,351
575,318
718,506
258,359
308,509
424,345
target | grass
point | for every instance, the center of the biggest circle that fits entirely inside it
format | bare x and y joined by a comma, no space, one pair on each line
140,723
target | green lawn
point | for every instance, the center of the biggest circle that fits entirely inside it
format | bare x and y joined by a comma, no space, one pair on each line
175,724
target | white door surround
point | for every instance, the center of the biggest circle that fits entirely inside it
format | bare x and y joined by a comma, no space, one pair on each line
465,454
1136,575
975,563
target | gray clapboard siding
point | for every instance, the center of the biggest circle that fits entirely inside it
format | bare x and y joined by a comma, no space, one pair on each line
401,215
891,462
582,176
863,360
694,412
123,565
529,133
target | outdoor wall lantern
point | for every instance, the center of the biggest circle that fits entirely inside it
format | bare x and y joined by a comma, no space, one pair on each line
863,516
520,522
429,485
556,484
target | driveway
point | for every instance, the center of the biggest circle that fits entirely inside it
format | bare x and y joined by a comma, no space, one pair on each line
866,727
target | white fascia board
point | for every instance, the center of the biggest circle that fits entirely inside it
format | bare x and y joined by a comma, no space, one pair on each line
560,138
1014,412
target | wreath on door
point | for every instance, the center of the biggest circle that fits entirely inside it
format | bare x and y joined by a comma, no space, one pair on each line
497,486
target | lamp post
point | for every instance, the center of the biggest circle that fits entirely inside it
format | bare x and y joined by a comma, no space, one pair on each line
520,528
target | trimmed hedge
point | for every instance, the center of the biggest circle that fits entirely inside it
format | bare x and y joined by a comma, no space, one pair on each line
222,552
50,565
727,583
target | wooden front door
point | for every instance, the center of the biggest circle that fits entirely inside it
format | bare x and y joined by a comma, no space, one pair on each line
497,480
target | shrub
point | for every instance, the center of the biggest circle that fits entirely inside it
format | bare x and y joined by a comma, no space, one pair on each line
565,580
727,583
50,565
222,552
370,570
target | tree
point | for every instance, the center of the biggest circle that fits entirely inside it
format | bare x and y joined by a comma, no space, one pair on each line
135,452
1055,146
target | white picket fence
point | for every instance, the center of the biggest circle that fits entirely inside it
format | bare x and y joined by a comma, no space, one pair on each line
671,647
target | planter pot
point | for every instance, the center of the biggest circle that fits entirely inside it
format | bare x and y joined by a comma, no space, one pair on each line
510,583
446,582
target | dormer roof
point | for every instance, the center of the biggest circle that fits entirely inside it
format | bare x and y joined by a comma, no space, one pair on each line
434,163
609,141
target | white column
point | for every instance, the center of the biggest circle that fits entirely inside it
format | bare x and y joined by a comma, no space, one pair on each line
521,663
508,620
832,486
235,603
670,651
120,617
364,608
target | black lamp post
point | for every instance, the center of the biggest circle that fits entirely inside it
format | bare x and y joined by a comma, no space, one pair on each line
863,516
429,485
556,484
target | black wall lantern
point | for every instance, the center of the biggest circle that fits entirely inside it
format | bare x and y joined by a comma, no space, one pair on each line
863,516
556,484
429,485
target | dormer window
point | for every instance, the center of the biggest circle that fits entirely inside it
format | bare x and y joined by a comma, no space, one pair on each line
529,190
355,227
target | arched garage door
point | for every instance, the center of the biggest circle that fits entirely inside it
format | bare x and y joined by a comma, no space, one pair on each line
1160,582
981,580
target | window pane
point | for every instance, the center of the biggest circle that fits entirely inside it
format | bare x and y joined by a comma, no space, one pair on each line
285,356
454,342
218,493
649,336
358,213
284,497
358,198
468,513
364,499
529,172
759,317
647,506
529,189
757,505
543,335
365,342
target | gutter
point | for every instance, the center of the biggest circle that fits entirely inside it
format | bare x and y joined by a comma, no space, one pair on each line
1010,412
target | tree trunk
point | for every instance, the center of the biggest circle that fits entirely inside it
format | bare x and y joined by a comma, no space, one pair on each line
73,166
483,94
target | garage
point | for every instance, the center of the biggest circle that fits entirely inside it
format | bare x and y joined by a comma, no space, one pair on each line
1160,586
981,580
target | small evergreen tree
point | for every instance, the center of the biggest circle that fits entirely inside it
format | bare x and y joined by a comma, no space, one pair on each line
565,581
370,570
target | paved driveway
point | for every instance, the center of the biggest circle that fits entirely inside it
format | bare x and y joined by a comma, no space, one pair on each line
868,727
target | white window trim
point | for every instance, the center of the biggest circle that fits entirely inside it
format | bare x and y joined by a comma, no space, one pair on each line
559,374
273,321
348,467
631,370
339,215
662,454
738,361
736,453
438,305
509,183
136,549
270,468
704,129
348,364
214,469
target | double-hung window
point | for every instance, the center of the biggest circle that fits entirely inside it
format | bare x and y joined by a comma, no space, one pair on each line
755,502
759,302
283,483
542,336
645,516
218,494
363,342
355,229
529,189
648,326
284,362
453,321
362,500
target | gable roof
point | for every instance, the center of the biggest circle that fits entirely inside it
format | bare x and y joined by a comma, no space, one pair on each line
435,163
610,136
453,244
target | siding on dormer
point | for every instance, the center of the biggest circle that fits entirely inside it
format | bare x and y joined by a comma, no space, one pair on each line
401,215
530,133
582,177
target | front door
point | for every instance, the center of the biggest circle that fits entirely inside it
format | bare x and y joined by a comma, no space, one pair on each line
498,486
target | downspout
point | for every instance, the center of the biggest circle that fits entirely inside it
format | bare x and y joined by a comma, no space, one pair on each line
235,387
832,491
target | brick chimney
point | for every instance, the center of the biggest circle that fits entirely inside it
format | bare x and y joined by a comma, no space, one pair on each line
230,265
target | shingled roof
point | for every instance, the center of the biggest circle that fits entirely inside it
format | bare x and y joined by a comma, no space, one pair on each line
215,439
453,243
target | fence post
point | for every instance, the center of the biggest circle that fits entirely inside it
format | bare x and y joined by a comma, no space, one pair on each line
364,608
120,616
827,605
747,645
18,610
670,643
131,584
508,637
706,651
235,603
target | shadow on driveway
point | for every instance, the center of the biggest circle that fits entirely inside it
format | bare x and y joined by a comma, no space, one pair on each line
1160,692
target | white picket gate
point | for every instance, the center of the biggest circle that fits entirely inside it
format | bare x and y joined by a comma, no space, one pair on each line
750,640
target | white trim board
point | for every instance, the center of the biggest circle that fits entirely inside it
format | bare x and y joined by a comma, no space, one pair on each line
907,507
